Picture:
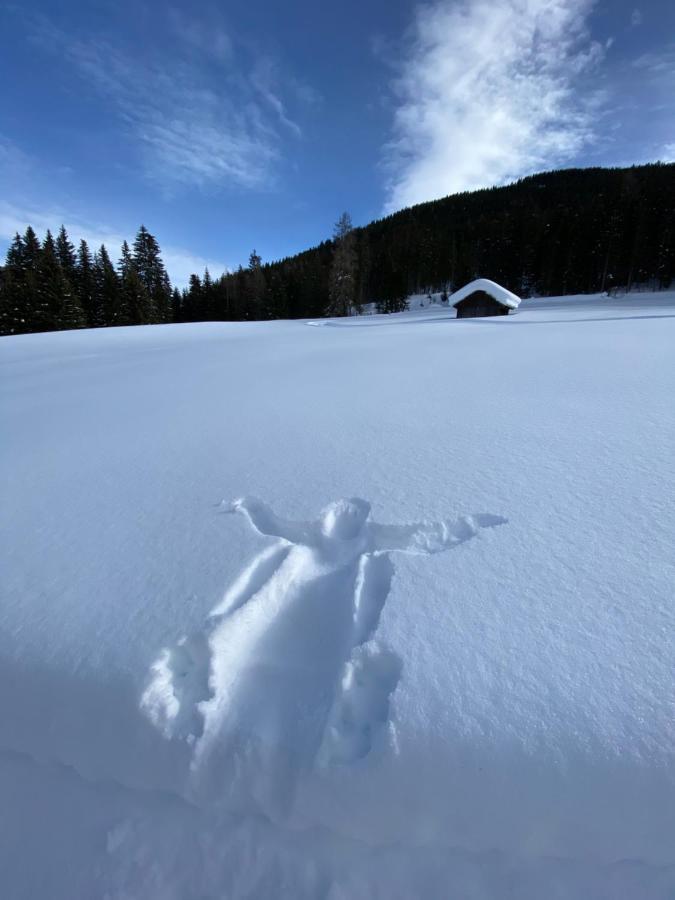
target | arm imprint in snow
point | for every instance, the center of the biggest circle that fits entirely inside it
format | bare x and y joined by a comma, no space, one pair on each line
267,523
429,537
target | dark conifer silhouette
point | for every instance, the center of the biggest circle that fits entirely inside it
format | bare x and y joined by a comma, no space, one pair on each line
134,296
86,288
107,288
152,275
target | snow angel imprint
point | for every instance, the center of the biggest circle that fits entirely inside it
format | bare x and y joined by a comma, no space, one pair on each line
286,672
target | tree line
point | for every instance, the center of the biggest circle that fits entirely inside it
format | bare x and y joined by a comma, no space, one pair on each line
49,285
567,231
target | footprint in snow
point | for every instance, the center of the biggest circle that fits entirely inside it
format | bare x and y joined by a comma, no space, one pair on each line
286,673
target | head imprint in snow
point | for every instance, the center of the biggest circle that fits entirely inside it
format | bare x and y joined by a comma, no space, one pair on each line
344,519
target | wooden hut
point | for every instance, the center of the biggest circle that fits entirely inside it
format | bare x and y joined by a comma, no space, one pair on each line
483,297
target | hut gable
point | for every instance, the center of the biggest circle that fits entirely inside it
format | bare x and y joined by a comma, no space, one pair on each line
483,297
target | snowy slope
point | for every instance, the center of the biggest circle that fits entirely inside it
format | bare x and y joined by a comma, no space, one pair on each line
460,684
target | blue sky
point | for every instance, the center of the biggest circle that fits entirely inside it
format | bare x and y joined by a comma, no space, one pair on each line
224,126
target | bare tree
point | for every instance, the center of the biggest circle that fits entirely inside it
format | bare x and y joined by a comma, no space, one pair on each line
342,287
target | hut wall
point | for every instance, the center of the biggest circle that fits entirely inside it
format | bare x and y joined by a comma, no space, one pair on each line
480,304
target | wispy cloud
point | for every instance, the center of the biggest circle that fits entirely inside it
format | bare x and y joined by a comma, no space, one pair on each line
658,64
13,161
195,125
636,17
265,78
656,73
180,263
191,134
487,92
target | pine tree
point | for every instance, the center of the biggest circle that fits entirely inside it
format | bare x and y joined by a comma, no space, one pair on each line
241,294
193,300
125,262
52,288
256,289
16,255
15,318
85,285
220,301
31,250
135,302
28,296
108,295
152,273
67,257
208,299
71,315
176,306
342,288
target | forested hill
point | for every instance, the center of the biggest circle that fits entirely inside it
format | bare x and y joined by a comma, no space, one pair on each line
569,231
579,230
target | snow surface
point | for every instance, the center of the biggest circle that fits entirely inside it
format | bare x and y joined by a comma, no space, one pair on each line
456,684
506,298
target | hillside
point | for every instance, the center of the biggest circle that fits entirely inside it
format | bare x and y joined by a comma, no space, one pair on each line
563,232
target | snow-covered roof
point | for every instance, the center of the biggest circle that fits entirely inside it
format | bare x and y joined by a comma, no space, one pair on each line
499,293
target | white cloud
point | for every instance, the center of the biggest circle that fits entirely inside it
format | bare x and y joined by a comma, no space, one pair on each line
487,92
667,153
636,17
180,263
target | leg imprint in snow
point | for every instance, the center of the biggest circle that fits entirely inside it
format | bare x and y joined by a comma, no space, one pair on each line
290,665
179,683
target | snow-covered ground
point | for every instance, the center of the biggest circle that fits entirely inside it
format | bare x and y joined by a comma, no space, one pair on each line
459,684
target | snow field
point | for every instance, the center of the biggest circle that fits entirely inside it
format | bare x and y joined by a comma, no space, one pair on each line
196,703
